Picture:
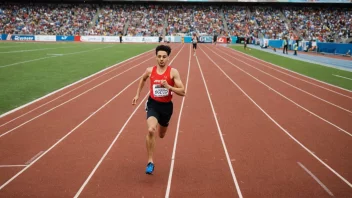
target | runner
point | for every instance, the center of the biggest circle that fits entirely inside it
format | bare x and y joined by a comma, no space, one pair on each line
215,39
164,81
194,41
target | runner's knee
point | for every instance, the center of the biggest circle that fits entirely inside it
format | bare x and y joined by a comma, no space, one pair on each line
151,130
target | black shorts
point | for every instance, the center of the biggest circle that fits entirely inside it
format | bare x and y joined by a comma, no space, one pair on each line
160,110
194,45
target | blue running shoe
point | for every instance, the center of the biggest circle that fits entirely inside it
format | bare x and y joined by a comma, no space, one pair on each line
150,168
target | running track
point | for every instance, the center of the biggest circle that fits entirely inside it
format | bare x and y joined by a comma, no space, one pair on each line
246,128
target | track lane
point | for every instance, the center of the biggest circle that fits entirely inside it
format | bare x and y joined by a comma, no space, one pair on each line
309,82
339,117
264,159
304,126
26,141
43,132
61,171
342,101
200,165
124,165
77,154
309,131
8,172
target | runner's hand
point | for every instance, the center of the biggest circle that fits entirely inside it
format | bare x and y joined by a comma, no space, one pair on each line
134,101
165,84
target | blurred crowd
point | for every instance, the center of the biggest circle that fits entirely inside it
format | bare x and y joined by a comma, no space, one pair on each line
310,23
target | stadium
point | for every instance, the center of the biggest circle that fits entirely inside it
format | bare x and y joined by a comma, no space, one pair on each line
261,98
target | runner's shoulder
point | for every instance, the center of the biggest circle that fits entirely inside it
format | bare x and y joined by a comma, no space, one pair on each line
149,69
174,72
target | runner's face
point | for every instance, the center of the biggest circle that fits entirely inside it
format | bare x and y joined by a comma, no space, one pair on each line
162,58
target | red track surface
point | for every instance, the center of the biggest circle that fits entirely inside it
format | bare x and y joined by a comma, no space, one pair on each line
274,134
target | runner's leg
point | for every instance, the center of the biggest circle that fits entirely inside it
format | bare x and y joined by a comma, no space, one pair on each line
150,139
162,131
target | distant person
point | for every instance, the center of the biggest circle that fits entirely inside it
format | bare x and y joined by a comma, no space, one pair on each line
215,39
245,43
194,42
295,47
120,35
285,46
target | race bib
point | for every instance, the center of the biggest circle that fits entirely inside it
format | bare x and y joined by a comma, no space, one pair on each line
160,91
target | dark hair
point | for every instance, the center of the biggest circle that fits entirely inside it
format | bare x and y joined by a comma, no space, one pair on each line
165,48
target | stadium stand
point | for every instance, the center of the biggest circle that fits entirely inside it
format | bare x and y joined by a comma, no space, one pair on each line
245,20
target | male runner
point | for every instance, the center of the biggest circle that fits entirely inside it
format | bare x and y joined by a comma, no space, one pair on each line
215,39
194,41
164,80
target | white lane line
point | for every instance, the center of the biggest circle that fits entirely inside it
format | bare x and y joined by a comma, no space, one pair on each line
34,157
80,124
33,50
113,142
70,100
9,166
18,63
291,85
246,55
221,135
108,150
177,130
342,77
348,133
69,91
316,179
277,124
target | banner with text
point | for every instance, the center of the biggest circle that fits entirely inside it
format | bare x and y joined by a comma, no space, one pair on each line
20,37
45,38
92,39
65,38
205,39
141,39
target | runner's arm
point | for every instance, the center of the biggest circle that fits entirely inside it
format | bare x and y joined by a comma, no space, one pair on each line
179,89
142,80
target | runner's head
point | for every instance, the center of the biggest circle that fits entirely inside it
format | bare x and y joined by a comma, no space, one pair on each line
162,54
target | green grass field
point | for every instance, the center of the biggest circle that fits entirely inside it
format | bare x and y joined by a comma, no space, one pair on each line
316,71
30,70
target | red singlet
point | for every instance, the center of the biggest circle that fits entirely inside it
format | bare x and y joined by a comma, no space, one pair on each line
157,91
